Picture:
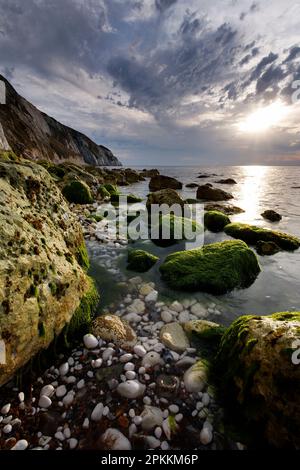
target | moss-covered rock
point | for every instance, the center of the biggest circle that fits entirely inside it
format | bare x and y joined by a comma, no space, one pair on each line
77,192
141,261
130,198
259,380
215,221
165,196
271,215
112,189
227,209
42,256
160,182
216,268
252,234
102,192
208,193
172,229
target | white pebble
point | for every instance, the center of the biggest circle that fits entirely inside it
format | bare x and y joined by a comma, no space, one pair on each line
97,412
20,445
158,432
90,341
137,420
68,399
21,397
179,418
107,354
7,429
59,435
45,402
129,366
73,443
81,384
164,445
61,391
206,436
64,369
139,350
47,391
126,357
97,363
5,409
174,409
130,375
86,423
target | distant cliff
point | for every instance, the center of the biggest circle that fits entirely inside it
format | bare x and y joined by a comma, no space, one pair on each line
32,134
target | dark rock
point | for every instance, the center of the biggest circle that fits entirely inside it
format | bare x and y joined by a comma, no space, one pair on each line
149,173
209,193
267,248
49,421
215,221
165,196
227,181
164,182
271,215
192,185
225,209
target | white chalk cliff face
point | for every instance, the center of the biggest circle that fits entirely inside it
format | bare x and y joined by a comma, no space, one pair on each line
32,134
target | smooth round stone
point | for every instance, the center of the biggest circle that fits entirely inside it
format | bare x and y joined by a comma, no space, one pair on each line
113,439
206,436
61,391
64,369
164,445
152,297
174,409
176,306
139,350
59,436
21,397
131,413
184,316
86,423
137,420
7,429
44,402
22,444
105,411
97,412
137,306
152,442
166,316
71,379
179,418
205,399
132,429
130,375
68,399
195,378
199,310
67,433
81,384
173,337
151,417
158,432
90,341
107,354
73,443
5,409
71,361
126,358
97,363
146,289
47,391
129,366
131,389
151,359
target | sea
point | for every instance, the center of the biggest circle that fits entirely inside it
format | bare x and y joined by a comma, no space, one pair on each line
277,288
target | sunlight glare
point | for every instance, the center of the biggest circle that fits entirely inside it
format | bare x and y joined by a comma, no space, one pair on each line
264,119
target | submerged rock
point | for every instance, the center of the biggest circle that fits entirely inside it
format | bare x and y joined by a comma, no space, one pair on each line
209,193
258,372
227,209
215,221
267,248
173,337
271,215
159,182
43,257
141,261
113,439
113,328
216,268
226,181
252,234
195,378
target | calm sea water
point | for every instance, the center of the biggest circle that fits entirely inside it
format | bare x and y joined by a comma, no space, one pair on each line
277,288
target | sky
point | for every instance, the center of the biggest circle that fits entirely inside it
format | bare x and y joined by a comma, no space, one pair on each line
163,82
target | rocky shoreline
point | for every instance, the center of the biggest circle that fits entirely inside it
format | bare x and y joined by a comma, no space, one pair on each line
143,377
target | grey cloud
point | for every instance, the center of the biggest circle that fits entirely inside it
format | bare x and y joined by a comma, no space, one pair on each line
271,78
263,64
293,54
163,5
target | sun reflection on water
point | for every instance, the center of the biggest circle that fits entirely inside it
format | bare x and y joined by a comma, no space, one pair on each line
255,178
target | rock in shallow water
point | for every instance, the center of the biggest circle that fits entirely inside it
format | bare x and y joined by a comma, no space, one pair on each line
113,328
173,337
90,341
151,417
195,378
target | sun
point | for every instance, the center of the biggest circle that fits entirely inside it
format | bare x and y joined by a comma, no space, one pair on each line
264,118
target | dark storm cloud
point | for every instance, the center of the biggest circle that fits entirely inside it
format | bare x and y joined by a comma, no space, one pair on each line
253,8
293,54
271,78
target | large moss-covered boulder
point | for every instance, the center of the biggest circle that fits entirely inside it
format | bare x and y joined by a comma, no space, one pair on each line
159,182
172,229
77,192
216,268
112,189
141,261
165,196
252,234
258,371
215,221
43,285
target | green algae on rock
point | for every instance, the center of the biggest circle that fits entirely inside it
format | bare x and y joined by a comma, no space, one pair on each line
258,379
41,253
112,189
252,234
77,192
164,196
217,268
102,192
141,261
215,221
172,229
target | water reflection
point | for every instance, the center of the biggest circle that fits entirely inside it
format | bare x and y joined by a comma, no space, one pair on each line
250,192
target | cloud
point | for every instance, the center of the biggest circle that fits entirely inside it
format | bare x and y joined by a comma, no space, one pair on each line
163,5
